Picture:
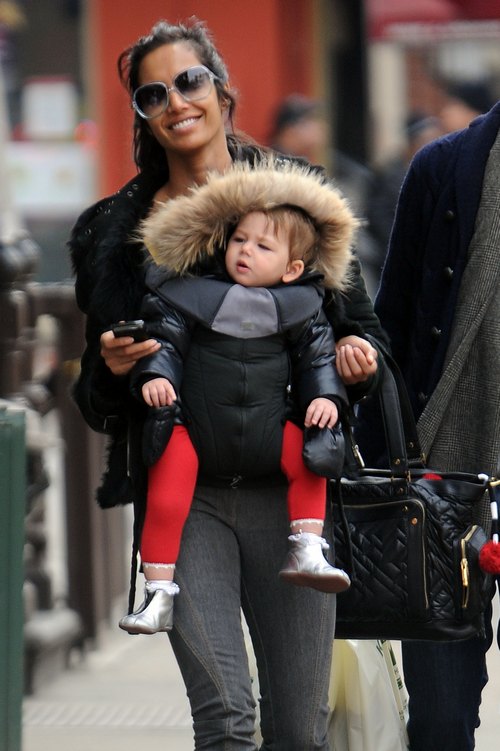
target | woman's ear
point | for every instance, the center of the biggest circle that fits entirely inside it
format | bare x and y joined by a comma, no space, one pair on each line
294,270
223,98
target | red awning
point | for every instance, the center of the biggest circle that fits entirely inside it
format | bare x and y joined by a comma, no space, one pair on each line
382,14
478,9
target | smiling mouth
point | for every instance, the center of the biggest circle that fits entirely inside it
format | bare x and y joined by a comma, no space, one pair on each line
184,123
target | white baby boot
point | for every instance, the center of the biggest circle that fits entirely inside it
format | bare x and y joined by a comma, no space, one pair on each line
156,612
306,565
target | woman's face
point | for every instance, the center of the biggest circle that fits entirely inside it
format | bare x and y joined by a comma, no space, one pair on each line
184,127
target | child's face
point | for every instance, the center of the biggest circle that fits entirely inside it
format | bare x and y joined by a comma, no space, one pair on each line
259,256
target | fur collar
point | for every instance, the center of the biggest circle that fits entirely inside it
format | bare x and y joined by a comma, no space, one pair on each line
183,231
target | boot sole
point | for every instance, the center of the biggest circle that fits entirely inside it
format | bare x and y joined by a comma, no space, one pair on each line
143,630
322,584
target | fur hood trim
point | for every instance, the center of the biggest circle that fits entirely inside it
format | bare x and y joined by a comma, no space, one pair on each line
183,231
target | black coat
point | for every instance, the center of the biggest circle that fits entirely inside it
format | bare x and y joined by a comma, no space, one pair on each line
110,286
432,232
428,251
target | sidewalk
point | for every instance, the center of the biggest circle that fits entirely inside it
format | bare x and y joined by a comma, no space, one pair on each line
129,694
126,695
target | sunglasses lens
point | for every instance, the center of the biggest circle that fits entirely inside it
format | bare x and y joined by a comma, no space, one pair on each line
193,83
151,99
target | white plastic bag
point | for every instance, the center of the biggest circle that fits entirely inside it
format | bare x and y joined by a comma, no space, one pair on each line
367,697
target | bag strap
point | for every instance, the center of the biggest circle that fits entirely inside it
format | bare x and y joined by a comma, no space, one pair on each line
407,423
399,423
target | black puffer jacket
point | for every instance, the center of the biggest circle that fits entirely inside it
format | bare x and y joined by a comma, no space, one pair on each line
231,353
110,286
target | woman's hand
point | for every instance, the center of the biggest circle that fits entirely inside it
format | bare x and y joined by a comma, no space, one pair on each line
121,353
356,359
322,413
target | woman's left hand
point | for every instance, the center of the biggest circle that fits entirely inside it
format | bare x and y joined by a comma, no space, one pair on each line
356,359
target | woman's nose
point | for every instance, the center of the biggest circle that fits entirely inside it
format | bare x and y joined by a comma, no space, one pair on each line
175,100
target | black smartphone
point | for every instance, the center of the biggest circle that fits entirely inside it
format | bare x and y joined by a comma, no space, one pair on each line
135,329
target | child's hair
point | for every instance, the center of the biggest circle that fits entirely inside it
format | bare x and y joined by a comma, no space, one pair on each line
300,230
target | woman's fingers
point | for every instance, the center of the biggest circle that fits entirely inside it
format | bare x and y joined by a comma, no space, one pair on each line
121,353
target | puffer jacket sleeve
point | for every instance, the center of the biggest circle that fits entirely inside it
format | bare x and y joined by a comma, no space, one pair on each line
312,353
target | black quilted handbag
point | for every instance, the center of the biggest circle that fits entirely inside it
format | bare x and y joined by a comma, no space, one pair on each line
406,536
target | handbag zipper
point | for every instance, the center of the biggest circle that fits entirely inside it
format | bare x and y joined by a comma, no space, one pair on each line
464,566
424,577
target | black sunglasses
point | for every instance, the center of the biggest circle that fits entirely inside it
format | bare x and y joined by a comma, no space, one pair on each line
192,85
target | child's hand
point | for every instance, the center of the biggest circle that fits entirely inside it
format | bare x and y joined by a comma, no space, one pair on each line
158,392
356,359
322,413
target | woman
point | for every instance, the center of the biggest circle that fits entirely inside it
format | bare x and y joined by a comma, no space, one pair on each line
234,539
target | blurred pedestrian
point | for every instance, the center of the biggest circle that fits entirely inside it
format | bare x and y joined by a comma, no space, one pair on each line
464,100
299,128
420,128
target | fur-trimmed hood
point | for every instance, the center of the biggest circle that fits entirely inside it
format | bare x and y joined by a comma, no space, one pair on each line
181,232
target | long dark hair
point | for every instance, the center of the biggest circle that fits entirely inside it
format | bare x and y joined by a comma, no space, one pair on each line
148,154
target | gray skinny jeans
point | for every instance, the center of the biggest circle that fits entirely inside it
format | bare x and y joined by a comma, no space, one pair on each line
233,545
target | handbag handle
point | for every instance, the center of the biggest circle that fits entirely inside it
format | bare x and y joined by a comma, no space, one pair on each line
400,428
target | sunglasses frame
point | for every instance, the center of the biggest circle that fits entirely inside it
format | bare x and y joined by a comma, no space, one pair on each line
211,75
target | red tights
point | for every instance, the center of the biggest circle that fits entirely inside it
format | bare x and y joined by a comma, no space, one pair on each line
172,480
171,483
306,491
